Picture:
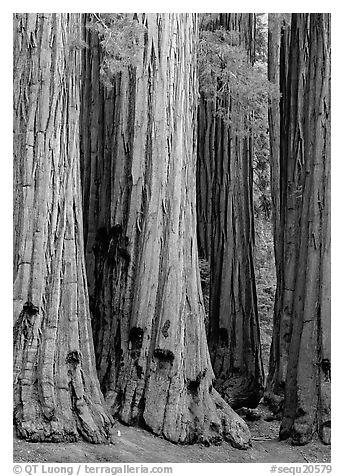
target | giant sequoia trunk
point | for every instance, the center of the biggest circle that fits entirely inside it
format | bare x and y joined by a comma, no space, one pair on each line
305,267
226,238
139,175
56,390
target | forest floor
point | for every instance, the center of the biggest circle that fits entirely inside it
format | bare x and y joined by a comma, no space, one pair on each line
139,446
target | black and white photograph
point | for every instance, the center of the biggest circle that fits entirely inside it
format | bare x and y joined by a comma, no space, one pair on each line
171,241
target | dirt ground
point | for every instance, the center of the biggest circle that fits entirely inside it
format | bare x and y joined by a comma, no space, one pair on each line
135,445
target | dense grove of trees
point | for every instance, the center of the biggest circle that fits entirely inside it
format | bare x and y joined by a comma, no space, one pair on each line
135,139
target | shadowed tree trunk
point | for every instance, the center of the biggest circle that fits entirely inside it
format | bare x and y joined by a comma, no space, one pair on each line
56,390
274,40
139,174
284,239
206,130
226,238
300,359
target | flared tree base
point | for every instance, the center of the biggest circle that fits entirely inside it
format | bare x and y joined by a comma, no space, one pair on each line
92,425
302,433
185,415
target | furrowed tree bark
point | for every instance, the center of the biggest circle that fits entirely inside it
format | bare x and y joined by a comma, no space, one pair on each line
148,313
307,393
284,239
56,391
302,329
226,239
274,40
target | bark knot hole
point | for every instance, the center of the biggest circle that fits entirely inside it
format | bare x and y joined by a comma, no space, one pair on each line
30,309
74,358
25,322
300,412
165,328
136,338
116,231
326,368
193,385
164,355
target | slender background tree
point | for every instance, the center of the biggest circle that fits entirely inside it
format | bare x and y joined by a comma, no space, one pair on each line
278,53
